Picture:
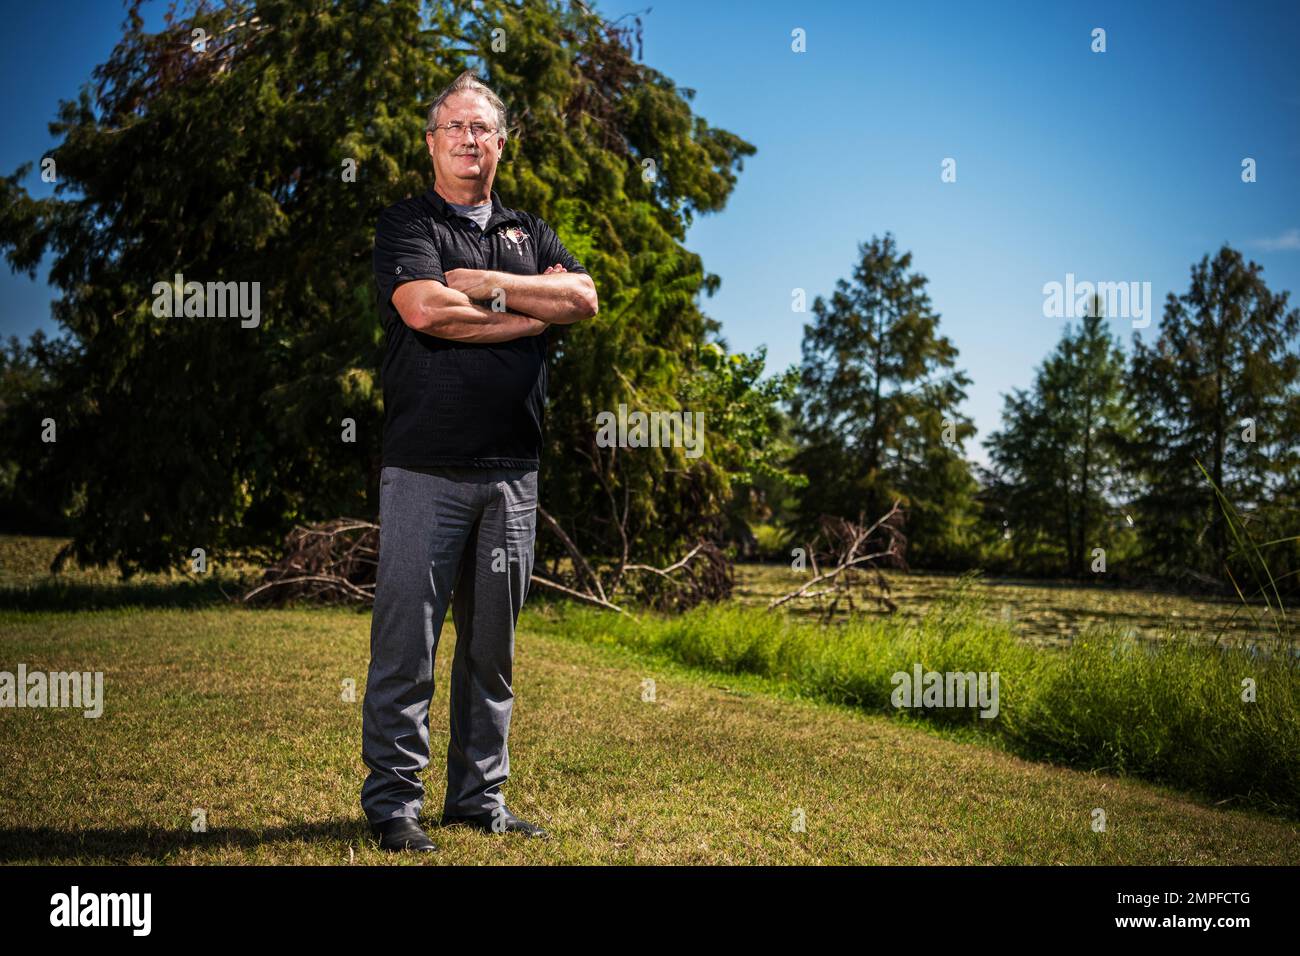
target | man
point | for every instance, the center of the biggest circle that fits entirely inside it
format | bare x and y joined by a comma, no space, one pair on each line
464,390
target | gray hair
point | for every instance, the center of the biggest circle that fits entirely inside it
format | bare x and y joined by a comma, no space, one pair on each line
468,82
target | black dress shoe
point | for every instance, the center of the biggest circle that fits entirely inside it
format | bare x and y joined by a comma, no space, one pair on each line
502,821
402,833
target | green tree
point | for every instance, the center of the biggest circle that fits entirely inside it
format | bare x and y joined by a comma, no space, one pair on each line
746,414
230,160
1058,460
877,409
29,373
1219,386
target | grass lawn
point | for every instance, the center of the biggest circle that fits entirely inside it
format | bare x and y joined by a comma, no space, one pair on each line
239,713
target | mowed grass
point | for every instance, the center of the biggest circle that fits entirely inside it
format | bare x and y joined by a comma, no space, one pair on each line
26,582
239,713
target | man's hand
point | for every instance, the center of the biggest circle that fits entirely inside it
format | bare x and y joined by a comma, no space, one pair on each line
475,283
483,283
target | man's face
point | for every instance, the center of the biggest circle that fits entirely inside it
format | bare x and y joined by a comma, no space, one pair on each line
460,156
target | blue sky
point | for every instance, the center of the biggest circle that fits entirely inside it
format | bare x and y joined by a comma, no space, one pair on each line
1115,166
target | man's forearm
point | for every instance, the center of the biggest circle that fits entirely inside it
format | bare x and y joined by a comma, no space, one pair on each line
560,298
476,323
467,322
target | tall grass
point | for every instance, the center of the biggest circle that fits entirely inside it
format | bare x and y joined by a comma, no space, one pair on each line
1253,552
1169,710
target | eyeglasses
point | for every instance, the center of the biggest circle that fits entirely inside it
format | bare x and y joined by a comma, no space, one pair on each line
456,129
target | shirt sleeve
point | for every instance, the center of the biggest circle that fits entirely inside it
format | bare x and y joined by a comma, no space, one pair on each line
404,250
550,250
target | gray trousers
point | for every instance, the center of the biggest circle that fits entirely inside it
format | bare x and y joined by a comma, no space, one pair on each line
448,536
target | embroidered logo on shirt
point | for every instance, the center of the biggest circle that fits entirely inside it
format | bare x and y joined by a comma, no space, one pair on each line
517,236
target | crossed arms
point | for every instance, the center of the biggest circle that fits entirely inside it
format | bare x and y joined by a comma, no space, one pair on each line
556,297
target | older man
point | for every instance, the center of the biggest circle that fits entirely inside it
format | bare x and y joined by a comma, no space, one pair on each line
468,289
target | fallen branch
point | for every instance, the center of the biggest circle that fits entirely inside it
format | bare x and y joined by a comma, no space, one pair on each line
330,580
668,571
829,575
842,543
547,583
578,560
334,561
702,574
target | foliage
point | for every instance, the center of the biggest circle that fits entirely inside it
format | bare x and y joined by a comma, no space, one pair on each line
229,163
1220,385
1059,472
876,411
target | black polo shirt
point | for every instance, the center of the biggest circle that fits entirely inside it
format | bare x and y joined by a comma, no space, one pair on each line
454,403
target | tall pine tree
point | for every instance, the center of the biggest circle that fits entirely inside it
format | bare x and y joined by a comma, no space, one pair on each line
877,408
1058,459
1218,386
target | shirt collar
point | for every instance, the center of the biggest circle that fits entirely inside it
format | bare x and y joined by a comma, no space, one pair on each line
500,213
